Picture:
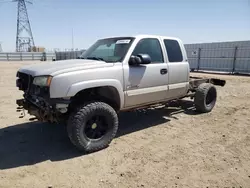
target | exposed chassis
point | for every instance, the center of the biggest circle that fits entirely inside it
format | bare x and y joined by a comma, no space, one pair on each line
194,82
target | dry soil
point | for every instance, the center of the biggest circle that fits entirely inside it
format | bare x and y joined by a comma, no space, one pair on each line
173,147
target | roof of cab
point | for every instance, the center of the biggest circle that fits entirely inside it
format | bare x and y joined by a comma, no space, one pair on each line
154,36
140,36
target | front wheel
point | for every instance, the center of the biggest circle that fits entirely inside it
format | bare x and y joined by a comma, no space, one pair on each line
92,126
205,97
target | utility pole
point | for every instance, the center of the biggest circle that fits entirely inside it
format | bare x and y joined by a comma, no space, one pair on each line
72,39
1,49
24,42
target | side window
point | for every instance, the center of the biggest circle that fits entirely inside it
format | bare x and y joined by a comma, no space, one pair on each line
151,47
173,50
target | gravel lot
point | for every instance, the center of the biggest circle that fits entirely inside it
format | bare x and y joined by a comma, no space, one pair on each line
172,147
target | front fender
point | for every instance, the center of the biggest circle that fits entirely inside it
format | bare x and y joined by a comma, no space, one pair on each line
75,88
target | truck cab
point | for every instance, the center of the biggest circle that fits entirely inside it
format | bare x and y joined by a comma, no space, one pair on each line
164,77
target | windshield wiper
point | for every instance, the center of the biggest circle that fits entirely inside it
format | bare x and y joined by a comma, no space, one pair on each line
96,58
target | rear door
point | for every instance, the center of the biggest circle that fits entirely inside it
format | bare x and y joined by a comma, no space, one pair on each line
178,66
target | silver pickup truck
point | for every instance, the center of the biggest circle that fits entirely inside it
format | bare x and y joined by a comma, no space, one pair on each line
115,74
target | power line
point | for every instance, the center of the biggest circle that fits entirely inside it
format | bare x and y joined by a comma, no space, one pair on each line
4,1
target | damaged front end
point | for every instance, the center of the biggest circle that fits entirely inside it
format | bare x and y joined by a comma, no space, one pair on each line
38,103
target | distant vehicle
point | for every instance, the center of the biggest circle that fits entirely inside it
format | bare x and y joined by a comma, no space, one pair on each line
113,75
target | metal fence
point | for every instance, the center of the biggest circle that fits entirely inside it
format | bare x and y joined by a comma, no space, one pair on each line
68,55
26,56
231,57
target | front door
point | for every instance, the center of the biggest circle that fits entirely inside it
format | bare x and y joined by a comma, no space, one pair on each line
148,83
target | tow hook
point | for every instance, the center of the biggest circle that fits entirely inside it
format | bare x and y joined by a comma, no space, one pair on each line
20,108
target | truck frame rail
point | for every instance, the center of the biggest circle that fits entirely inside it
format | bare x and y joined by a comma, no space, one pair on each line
194,82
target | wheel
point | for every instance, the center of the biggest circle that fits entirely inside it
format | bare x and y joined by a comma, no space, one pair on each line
205,97
92,126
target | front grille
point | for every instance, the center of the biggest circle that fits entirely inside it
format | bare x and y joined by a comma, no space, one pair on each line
24,81
39,91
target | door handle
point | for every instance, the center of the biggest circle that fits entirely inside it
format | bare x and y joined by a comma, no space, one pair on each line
164,71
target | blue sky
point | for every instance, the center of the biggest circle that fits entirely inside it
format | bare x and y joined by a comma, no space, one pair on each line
191,20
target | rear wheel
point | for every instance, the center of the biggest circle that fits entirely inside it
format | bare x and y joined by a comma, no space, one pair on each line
93,126
205,97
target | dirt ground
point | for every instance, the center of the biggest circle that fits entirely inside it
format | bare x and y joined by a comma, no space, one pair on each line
172,147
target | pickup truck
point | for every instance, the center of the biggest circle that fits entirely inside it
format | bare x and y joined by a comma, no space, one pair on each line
115,74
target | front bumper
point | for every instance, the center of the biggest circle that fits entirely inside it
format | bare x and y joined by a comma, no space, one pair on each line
37,100
51,110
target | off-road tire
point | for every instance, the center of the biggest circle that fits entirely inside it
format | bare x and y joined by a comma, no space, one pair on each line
77,122
203,92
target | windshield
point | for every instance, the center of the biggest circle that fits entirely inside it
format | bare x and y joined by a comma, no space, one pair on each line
109,50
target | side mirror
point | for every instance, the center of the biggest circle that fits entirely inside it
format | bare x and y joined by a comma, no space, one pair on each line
140,59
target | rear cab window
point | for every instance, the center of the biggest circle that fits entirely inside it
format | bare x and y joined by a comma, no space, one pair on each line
173,50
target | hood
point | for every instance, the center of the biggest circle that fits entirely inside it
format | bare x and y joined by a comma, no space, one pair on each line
59,67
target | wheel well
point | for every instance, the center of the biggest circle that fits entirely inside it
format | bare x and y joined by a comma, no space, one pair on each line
107,94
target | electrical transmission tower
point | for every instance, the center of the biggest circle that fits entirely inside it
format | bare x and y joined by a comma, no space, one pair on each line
24,37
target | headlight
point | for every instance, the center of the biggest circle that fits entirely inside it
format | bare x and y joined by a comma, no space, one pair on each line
42,80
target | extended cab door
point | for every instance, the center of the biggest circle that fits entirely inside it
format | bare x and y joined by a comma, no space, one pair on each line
146,83
178,68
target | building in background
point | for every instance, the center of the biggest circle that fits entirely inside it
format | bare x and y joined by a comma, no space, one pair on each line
37,49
